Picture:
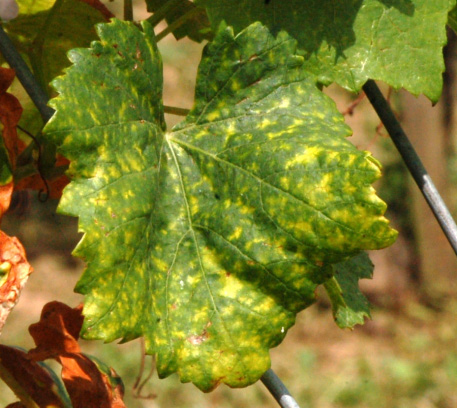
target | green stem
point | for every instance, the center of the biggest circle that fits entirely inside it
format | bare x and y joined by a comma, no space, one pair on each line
173,110
128,10
334,292
413,162
177,23
162,12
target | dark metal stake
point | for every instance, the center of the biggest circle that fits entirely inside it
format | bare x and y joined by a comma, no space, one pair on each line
15,61
413,162
278,390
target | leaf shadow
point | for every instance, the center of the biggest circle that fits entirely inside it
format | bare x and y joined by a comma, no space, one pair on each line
321,23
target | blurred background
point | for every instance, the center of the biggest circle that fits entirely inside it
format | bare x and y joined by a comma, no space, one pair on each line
406,356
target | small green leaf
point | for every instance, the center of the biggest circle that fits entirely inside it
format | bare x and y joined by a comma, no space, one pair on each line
350,306
397,41
208,239
45,34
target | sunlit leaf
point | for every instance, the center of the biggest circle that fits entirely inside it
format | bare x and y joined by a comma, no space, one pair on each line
88,383
348,42
208,239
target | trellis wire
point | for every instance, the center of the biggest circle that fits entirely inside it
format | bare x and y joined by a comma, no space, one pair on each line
278,390
413,162
25,76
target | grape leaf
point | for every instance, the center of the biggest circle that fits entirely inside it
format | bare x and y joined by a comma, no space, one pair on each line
350,306
208,239
397,41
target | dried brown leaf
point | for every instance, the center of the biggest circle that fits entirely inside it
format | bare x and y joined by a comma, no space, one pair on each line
15,269
10,113
30,382
57,332
56,336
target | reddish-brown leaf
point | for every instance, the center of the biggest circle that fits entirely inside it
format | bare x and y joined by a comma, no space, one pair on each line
87,385
56,336
27,379
5,198
10,113
13,264
57,332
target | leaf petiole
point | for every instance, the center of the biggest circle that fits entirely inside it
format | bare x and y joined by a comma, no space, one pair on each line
334,292
177,23
173,110
128,10
161,13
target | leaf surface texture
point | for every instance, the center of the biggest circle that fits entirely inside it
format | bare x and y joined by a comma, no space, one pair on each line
208,239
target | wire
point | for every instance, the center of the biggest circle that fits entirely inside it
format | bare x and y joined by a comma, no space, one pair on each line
25,76
278,390
413,162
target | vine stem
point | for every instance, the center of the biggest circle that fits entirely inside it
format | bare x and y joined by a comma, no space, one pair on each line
161,13
413,162
128,10
278,390
173,110
25,76
176,24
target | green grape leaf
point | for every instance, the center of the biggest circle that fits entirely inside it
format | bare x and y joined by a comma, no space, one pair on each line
208,239
46,36
350,306
397,41
195,23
